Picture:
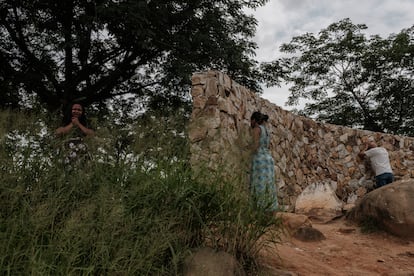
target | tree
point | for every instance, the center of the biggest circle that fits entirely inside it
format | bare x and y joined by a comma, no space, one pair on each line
349,79
94,50
395,96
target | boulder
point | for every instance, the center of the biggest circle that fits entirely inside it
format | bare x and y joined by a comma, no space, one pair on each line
391,206
208,262
300,227
307,233
292,221
319,202
272,271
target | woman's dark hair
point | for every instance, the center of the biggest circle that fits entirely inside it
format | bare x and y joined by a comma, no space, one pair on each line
259,117
67,117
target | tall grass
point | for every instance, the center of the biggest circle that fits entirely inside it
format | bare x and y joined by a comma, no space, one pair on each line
135,208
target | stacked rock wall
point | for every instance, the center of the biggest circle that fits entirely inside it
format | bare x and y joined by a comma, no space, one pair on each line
305,151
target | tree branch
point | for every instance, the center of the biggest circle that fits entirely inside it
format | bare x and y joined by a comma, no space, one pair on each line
18,38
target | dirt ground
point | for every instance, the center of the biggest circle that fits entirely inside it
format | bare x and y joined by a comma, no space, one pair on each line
345,251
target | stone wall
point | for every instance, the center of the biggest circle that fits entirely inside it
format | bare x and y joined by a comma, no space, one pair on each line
304,150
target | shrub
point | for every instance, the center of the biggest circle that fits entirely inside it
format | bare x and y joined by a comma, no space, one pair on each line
134,210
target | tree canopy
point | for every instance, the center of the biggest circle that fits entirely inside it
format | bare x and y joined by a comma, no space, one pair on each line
94,50
350,79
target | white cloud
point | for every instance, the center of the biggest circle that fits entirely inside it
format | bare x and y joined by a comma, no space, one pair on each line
280,20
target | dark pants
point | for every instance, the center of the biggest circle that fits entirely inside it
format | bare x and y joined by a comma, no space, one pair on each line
383,179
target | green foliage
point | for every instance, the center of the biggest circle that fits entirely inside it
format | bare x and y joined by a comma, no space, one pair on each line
134,209
349,79
96,50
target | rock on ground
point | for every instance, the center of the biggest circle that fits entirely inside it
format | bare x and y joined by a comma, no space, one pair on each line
391,206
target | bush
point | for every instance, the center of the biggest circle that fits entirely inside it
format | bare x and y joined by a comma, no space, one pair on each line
134,210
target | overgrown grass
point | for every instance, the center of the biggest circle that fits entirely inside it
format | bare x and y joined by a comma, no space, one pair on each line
136,208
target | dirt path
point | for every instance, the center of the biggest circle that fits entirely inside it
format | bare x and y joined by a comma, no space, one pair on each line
346,251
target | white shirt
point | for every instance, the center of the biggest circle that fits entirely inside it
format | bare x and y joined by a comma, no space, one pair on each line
379,159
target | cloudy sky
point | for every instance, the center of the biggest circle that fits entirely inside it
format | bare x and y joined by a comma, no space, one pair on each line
280,20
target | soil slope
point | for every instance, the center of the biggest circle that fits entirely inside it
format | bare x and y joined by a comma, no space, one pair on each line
345,251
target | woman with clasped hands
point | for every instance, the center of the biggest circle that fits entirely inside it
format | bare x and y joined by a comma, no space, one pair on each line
75,128
75,121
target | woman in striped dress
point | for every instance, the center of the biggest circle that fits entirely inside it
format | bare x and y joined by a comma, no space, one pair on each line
262,178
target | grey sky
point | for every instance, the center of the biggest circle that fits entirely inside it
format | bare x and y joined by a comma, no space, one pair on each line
281,20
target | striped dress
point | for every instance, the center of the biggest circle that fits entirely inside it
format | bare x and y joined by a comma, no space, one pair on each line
262,178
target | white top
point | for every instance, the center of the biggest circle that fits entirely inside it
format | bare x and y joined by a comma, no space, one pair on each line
379,159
